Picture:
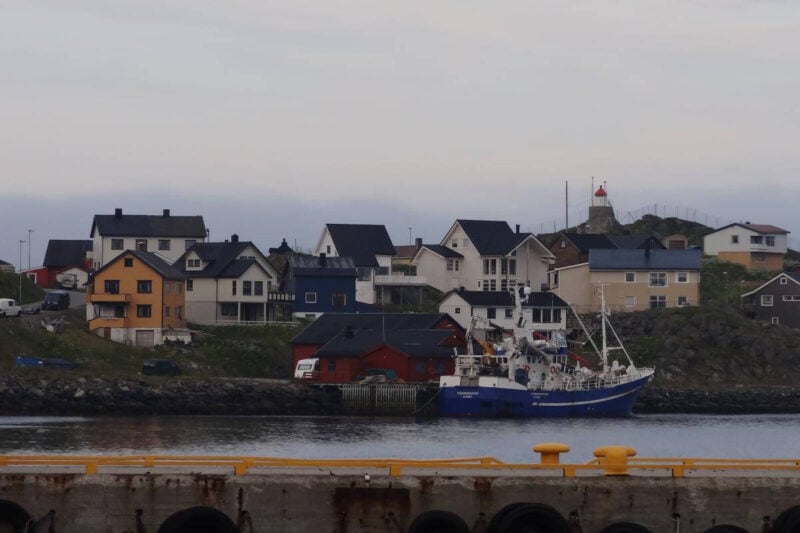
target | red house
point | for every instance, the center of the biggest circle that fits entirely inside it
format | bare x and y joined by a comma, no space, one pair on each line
62,256
417,347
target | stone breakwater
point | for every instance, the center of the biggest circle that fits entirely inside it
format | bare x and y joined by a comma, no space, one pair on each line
94,396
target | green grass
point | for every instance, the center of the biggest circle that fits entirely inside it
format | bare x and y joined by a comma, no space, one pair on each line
10,284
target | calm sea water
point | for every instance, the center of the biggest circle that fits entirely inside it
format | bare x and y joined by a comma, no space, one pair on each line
767,436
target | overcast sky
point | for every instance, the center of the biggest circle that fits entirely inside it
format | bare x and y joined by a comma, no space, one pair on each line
271,118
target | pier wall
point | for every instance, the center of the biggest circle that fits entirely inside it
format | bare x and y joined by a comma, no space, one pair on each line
337,500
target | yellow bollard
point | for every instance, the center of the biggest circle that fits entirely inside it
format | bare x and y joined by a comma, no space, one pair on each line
615,459
550,452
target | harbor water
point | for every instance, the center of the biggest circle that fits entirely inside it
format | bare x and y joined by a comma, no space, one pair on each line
675,435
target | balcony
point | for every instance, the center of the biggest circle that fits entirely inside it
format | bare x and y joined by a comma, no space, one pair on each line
278,297
106,322
400,280
108,297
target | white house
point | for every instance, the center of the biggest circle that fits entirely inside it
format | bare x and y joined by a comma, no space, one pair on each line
167,235
229,283
755,246
542,311
484,255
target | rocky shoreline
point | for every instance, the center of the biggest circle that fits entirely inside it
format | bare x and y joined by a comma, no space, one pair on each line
94,397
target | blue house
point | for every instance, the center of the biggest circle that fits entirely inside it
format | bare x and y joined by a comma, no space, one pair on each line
321,285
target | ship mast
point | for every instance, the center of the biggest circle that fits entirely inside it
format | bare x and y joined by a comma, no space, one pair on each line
604,350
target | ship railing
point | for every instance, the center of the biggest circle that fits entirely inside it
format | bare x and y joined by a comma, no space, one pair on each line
607,461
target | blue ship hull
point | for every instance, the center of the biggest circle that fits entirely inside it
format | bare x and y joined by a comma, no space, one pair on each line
498,402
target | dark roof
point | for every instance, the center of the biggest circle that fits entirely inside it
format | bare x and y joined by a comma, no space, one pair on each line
408,250
644,259
586,241
4,263
151,259
284,248
66,253
329,325
794,275
149,226
758,228
631,242
444,251
362,242
504,299
492,237
222,259
307,265
414,343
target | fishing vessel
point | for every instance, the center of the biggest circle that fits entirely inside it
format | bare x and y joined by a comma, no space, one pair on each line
528,374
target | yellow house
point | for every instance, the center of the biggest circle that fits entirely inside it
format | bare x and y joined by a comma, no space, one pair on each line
137,299
632,280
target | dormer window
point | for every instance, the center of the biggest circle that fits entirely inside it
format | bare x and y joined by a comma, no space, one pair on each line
193,264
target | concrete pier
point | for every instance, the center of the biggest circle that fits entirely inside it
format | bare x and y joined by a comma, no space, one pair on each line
481,495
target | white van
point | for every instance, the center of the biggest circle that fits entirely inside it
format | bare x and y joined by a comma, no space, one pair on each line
9,307
306,368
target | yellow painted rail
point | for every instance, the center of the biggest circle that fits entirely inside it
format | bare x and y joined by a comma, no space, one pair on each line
608,461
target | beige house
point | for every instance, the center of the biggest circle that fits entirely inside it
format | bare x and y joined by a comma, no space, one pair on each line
755,246
631,280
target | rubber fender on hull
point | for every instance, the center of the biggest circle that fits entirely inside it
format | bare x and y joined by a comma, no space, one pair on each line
625,527
528,518
788,521
13,515
198,520
726,529
438,522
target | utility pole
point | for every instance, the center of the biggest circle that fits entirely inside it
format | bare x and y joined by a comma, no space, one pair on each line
566,205
29,248
21,242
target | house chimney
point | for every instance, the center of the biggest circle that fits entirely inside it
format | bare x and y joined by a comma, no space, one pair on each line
166,212
234,238
323,260
517,229
418,243
118,212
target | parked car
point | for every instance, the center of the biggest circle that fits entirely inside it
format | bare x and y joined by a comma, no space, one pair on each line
56,300
9,307
160,367
27,361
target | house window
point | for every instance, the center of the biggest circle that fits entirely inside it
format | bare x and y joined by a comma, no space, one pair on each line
491,312
339,299
784,281
489,266
141,245
775,320
508,266
188,243
116,244
111,286
144,311
630,302
452,265
547,316
766,300
490,284
756,239
658,279
509,313
734,239
328,249
258,288
658,302
770,240
144,286
454,243
311,297
189,285
630,277
166,311
682,277
128,261
457,310
556,315
233,287
228,309
683,301
247,288
563,243
163,244
791,298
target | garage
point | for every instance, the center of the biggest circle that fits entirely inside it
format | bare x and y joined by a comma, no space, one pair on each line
145,337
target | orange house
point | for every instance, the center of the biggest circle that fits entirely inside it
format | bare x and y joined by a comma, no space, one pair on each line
137,299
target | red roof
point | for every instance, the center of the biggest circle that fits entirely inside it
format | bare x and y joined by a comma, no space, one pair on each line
764,228
600,192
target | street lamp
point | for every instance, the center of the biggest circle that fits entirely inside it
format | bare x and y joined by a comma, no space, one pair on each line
21,242
29,248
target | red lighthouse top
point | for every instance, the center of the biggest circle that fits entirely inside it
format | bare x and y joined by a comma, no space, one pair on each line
601,192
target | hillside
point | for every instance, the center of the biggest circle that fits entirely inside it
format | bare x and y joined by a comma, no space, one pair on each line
9,288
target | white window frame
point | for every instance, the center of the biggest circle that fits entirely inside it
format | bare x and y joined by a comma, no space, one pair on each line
633,277
770,240
784,281
311,297
683,303
678,277
630,302
660,276
658,298
775,320
791,297
766,300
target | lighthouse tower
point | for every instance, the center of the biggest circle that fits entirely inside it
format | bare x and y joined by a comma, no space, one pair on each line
601,214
